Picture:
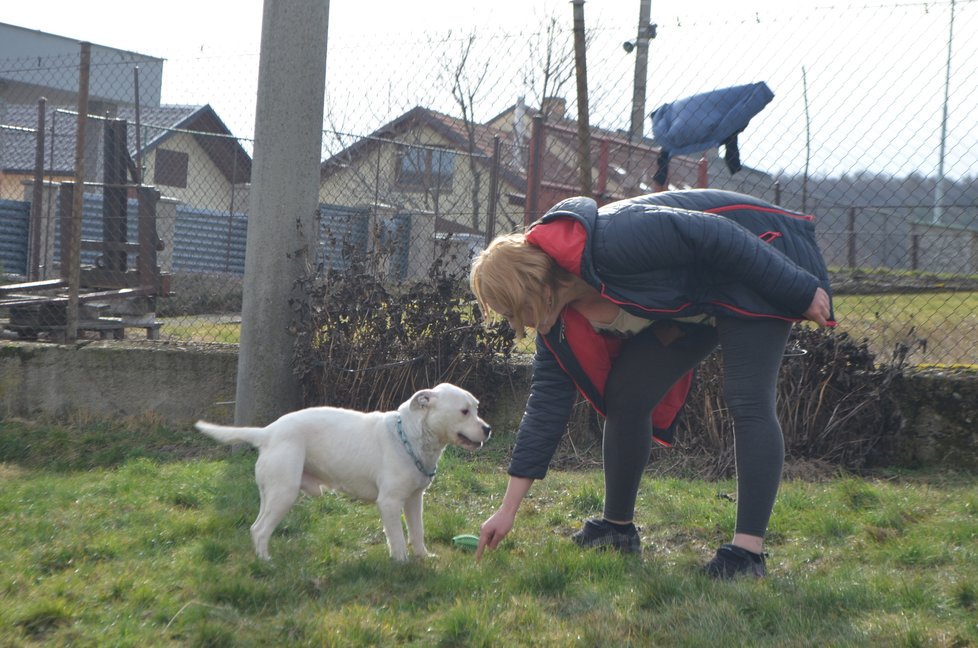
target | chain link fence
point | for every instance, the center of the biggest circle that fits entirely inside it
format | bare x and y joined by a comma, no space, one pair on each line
435,142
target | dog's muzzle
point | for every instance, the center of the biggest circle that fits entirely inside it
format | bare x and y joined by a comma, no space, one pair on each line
469,444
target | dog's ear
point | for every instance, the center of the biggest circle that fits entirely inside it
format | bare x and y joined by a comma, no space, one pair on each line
422,399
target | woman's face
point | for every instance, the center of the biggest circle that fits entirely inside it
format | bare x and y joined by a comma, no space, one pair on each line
546,323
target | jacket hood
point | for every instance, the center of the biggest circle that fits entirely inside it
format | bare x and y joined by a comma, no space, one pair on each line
568,226
580,206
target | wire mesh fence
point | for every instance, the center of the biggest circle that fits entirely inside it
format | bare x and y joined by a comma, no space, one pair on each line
434,142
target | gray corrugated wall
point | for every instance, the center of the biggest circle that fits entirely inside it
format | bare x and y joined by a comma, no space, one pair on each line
14,228
203,240
92,226
342,235
209,241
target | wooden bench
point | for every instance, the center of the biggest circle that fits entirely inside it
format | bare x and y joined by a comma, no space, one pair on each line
31,320
115,327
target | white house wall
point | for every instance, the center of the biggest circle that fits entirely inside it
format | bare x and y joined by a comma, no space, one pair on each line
206,188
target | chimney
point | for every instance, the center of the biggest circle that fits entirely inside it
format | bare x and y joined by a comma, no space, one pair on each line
553,108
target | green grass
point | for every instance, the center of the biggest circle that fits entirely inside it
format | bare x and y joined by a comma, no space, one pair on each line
193,329
144,541
941,327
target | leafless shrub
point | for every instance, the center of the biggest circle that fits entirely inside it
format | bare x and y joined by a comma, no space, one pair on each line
368,344
835,402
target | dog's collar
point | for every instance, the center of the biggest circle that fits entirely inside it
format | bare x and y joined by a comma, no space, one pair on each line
430,474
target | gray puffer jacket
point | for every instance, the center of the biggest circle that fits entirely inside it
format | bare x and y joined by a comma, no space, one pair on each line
668,255
660,256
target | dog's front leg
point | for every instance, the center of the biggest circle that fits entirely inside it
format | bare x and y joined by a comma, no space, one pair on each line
390,515
415,522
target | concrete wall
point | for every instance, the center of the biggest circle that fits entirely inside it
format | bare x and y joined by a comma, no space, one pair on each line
940,248
116,380
112,379
940,414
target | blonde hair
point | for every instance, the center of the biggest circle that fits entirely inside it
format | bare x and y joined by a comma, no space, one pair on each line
511,274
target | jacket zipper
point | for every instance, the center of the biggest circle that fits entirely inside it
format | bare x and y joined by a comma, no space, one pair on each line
604,293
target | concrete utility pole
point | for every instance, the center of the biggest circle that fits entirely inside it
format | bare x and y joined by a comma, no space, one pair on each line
641,47
282,234
939,189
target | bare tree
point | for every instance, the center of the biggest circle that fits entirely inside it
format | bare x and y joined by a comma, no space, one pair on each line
547,73
550,74
466,71
466,78
372,176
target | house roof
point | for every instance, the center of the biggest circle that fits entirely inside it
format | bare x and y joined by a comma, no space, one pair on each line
622,168
158,124
451,128
17,146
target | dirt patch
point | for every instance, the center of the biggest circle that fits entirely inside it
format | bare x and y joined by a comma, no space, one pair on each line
10,471
860,282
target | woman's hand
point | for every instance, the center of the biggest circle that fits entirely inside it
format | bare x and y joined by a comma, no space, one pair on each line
494,530
819,310
501,523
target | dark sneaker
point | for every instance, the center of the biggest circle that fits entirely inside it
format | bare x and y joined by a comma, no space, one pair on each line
601,534
731,561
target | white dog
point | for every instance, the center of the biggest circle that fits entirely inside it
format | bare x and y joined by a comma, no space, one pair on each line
383,457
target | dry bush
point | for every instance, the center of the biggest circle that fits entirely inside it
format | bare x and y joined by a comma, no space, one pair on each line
835,403
368,344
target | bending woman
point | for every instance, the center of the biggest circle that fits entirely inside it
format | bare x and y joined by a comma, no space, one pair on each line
626,300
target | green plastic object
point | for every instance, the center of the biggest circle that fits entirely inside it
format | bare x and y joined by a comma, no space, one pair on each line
466,541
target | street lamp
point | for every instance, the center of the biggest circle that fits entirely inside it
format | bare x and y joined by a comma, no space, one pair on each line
649,34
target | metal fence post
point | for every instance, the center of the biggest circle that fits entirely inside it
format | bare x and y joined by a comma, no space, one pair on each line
703,173
78,199
583,121
493,190
534,174
851,237
34,266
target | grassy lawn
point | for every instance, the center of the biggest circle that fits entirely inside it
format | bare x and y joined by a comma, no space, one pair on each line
942,328
223,329
131,534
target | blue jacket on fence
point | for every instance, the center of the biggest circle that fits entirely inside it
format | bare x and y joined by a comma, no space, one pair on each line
660,256
705,121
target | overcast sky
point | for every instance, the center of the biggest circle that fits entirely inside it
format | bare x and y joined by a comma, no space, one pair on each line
900,62
179,28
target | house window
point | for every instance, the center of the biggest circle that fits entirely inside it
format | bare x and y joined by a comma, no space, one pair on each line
425,168
170,168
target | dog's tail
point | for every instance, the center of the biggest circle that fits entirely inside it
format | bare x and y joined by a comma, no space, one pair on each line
228,434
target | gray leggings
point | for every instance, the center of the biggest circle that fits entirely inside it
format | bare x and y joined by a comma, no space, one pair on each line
644,372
